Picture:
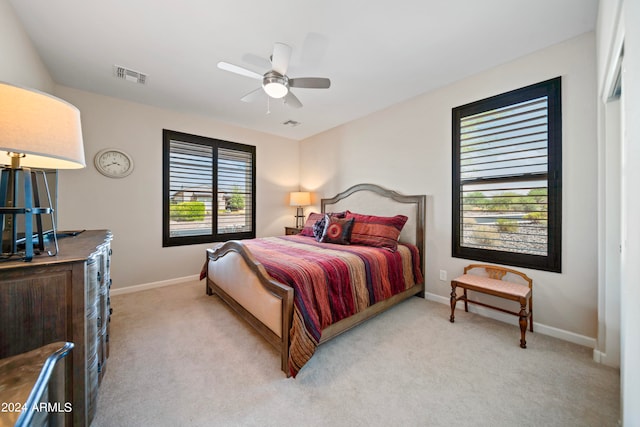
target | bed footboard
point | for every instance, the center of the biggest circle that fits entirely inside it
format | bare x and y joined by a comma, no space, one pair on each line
242,282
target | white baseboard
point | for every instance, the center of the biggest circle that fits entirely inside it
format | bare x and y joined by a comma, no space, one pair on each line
153,285
606,359
513,320
598,356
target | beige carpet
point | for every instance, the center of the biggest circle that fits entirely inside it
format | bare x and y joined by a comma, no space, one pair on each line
181,358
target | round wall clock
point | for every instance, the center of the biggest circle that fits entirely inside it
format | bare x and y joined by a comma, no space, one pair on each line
113,163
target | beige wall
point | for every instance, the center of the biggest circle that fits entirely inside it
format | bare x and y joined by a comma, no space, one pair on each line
408,148
132,207
20,63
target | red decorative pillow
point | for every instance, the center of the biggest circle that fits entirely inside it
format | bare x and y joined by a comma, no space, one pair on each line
314,217
377,231
307,230
337,230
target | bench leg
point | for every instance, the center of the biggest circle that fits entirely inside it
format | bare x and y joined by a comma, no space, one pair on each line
453,301
523,323
531,314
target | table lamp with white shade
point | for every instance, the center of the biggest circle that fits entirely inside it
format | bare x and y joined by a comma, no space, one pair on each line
300,199
37,131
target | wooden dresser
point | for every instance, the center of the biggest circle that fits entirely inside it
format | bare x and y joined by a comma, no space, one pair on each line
62,298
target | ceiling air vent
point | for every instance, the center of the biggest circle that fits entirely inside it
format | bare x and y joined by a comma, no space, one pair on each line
291,123
129,75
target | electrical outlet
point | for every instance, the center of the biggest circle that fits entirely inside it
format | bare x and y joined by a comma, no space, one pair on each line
443,275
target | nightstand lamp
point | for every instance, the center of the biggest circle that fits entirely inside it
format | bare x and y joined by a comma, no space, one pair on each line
300,199
38,131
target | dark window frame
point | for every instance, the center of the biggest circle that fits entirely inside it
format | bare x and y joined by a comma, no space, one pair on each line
214,236
552,261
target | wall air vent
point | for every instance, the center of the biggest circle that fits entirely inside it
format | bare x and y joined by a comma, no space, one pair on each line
129,75
291,123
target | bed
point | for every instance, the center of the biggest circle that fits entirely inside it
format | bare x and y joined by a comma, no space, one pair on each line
258,278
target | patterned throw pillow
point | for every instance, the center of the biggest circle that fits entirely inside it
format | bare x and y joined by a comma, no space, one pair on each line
337,230
318,228
378,231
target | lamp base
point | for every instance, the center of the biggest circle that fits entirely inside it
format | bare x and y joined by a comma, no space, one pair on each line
299,217
16,243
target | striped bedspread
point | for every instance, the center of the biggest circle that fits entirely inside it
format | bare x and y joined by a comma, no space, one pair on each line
332,282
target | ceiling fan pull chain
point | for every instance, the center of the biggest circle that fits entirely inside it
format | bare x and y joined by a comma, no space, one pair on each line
268,104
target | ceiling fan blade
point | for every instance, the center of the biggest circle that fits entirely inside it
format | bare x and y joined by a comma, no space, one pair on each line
239,70
253,95
257,62
310,82
291,100
280,58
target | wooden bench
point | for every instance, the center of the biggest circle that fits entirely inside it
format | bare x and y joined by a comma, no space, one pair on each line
492,284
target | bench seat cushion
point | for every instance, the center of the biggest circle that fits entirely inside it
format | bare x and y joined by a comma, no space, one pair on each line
498,286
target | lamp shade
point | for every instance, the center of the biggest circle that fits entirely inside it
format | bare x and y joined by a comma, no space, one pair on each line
44,129
300,198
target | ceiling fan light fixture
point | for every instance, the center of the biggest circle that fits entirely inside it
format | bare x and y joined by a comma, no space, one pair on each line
275,82
275,85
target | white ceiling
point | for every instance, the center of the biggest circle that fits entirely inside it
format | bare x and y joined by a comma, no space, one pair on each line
376,53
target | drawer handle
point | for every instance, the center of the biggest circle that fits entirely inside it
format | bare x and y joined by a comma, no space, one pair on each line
98,276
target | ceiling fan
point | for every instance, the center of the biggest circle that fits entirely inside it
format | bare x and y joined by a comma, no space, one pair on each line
275,82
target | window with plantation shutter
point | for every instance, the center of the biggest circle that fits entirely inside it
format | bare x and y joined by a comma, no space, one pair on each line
507,200
208,189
